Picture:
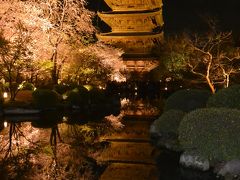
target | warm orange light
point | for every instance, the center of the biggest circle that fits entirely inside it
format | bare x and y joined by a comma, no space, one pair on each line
5,124
5,95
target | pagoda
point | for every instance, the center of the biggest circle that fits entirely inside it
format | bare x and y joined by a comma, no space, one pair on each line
136,27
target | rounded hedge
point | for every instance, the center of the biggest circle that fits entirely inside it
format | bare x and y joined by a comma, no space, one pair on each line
187,100
48,119
97,96
227,97
78,96
213,132
28,86
61,88
44,98
169,121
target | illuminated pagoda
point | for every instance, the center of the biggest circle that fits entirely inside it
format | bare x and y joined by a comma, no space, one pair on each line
136,27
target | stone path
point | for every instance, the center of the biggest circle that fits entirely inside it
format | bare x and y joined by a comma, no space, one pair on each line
130,154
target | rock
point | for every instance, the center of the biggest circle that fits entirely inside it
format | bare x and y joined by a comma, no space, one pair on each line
167,140
193,160
228,168
153,130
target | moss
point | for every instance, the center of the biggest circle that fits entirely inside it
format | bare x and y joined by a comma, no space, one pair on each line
228,97
187,100
213,132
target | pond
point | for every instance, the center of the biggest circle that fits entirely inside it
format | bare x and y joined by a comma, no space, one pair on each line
77,146
33,148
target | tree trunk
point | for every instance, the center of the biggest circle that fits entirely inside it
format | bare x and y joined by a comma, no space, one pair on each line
54,70
210,84
208,74
227,80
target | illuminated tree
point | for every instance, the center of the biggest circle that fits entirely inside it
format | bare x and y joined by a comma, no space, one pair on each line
210,58
70,25
94,64
58,28
15,58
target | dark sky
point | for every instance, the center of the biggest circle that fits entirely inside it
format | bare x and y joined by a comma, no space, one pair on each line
189,15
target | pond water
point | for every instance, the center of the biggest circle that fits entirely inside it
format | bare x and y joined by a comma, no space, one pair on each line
77,146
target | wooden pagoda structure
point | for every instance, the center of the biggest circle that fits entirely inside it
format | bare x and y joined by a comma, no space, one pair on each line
136,27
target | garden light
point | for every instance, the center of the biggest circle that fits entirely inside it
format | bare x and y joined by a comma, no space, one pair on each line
5,124
5,95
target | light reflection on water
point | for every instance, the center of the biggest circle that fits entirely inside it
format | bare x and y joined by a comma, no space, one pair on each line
57,146
47,146
64,147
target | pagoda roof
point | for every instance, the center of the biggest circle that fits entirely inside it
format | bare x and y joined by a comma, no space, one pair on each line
132,12
146,21
137,57
133,43
133,5
131,34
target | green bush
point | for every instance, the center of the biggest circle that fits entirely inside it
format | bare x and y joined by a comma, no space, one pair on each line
48,119
213,132
1,100
28,86
44,98
164,130
77,97
228,97
187,100
61,88
169,121
97,96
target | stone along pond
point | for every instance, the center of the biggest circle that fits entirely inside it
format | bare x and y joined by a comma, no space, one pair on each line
88,147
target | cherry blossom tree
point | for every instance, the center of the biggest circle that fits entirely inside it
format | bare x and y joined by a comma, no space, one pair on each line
58,29
15,58
95,64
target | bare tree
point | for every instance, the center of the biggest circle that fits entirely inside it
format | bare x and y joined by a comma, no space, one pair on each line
211,57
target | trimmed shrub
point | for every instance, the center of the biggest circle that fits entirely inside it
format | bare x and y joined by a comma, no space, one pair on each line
212,132
44,98
164,130
1,98
61,88
97,96
228,97
27,86
169,122
77,97
187,100
1,101
48,119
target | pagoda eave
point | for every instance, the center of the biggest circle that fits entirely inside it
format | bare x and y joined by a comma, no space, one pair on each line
133,43
128,36
129,13
133,5
133,22
140,66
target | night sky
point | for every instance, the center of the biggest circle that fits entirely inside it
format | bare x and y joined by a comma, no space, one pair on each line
189,15
183,15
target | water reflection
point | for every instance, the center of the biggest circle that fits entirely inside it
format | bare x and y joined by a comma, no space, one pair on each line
64,146
140,107
48,147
